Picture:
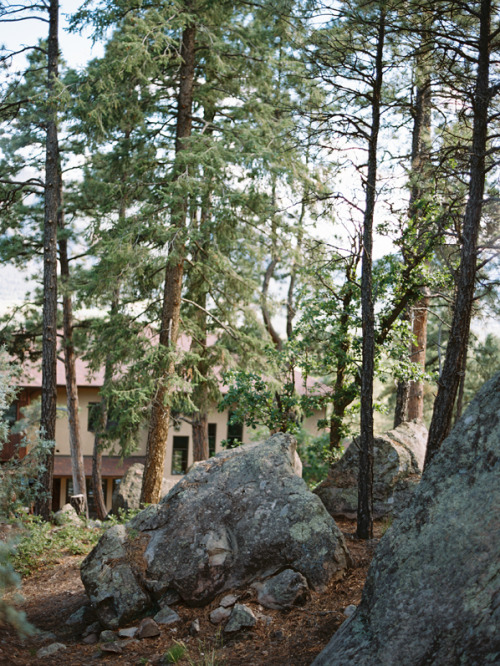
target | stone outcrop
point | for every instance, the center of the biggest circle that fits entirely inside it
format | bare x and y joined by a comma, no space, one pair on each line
128,494
398,464
432,595
240,517
67,515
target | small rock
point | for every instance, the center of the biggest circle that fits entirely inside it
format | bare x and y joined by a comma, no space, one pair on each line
107,636
49,650
350,610
93,628
278,635
194,628
81,617
113,646
241,616
170,597
147,628
129,632
166,616
94,523
289,588
45,636
228,600
90,639
219,615
266,619
67,515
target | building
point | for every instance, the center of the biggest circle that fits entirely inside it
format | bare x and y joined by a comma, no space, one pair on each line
179,454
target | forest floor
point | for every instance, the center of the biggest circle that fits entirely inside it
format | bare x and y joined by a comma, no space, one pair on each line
291,638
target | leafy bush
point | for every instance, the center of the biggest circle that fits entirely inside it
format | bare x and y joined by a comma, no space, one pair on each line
19,477
316,456
41,543
10,581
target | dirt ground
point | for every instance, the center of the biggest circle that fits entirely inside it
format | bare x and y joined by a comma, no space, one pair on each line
291,638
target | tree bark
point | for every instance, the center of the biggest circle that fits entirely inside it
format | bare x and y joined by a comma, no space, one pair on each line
364,528
457,344
43,503
200,436
410,398
77,466
418,352
160,412
99,499
461,388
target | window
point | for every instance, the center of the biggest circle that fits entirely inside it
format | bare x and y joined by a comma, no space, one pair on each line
116,485
212,438
90,493
180,455
234,432
10,414
93,416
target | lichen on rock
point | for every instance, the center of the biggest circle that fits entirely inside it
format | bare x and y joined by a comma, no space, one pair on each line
432,591
241,516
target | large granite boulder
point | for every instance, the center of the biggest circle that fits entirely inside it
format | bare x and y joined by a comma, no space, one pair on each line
128,494
398,462
432,595
240,517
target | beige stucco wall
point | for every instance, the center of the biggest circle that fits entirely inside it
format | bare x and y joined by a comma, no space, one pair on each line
91,395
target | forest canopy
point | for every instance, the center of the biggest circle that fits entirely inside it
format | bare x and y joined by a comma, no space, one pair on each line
300,189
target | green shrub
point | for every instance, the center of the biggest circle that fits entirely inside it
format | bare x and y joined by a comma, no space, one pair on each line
41,543
316,456
9,582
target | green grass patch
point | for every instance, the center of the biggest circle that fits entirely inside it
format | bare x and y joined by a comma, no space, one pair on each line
40,544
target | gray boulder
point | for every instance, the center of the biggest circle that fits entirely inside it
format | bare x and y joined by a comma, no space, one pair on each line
432,595
241,516
398,463
67,515
127,495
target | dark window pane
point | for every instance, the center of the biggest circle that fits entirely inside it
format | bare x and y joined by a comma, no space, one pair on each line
212,438
90,494
180,455
234,432
10,414
93,416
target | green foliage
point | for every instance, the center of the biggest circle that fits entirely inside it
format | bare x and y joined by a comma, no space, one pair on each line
174,654
123,517
272,401
316,456
483,362
19,477
42,544
10,581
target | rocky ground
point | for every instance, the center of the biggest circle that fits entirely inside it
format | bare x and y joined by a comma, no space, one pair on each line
293,638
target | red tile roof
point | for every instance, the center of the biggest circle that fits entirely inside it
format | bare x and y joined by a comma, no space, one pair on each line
111,465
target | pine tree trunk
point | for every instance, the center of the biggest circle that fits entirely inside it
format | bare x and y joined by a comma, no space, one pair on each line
461,388
99,499
418,350
410,398
460,327
200,437
43,503
402,397
364,528
160,412
77,465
